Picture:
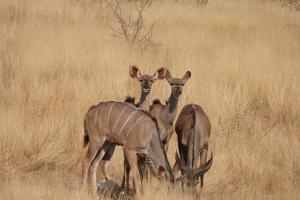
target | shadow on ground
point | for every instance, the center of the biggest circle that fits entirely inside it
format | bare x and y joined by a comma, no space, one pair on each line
113,190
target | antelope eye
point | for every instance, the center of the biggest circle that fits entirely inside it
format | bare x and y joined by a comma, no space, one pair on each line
140,80
171,84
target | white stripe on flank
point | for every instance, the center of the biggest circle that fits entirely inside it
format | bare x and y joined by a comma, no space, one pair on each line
100,117
95,121
127,121
133,125
119,117
108,116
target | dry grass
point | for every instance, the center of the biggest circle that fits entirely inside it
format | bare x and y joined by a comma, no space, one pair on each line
57,59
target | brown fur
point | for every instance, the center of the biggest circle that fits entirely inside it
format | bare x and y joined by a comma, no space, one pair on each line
146,82
165,114
118,123
193,130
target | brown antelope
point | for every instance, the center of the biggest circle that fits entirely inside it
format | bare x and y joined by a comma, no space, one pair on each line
117,123
165,114
193,131
146,84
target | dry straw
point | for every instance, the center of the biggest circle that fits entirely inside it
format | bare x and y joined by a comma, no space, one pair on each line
58,58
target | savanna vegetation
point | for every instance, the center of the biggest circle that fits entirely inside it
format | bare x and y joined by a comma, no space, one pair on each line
59,57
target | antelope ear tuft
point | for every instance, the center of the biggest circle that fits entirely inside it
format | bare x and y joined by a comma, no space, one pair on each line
134,72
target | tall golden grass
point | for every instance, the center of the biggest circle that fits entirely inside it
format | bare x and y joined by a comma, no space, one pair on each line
58,58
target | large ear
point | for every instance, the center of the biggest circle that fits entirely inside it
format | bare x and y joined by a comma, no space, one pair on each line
168,75
160,171
160,73
134,72
187,75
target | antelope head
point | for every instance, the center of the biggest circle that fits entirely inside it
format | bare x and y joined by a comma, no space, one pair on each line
191,177
177,83
157,160
159,165
147,80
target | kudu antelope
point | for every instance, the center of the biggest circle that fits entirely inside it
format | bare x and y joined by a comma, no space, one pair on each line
165,114
193,130
146,84
117,123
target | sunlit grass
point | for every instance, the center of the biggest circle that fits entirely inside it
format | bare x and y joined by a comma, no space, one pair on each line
57,59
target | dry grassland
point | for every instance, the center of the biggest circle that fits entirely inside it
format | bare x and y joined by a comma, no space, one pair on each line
58,58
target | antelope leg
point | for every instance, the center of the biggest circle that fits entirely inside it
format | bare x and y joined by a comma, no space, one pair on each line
93,168
142,167
85,167
125,181
104,163
131,157
123,178
176,168
203,157
88,159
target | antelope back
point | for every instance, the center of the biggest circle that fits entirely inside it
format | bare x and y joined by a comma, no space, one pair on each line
202,126
185,121
121,123
192,116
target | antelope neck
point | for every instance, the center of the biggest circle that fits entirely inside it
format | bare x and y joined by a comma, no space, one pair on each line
170,111
144,101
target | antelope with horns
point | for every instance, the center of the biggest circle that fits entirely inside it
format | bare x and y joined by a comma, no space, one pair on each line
146,84
193,130
165,114
117,123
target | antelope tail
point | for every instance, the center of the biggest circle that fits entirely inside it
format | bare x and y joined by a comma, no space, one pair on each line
85,139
